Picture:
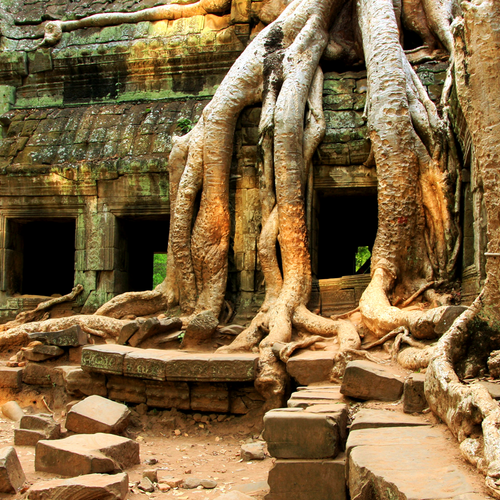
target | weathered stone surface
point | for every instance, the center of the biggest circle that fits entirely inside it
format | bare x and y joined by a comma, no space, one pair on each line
294,433
41,374
168,395
212,367
367,380
11,472
73,336
200,328
191,483
373,419
86,454
91,486
166,477
307,480
32,428
420,471
78,382
98,414
12,411
146,485
105,358
42,352
127,331
309,367
492,388
154,326
146,363
315,395
24,437
128,389
210,397
11,378
253,451
395,436
413,396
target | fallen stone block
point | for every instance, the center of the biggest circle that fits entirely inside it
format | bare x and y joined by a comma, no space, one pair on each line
253,451
210,398
166,477
41,352
91,486
307,480
86,454
42,374
309,367
414,400
200,328
366,380
81,383
130,390
11,378
33,428
128,330
73,336
146,485
316,395
168,395
106,358
421,471
98,414
12,411
294,433
373,419
12,475
152,327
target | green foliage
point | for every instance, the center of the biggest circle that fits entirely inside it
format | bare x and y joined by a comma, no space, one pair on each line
159,268
185,124
362,255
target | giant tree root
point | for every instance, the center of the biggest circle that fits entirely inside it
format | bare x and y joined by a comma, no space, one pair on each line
469,411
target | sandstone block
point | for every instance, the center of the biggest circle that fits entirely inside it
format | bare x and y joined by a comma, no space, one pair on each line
317,395
309,367
11,378
374,419
253,451
210,397
212,367
78,382
73,336
32,428
107,358
307,480
42,352
367,380
11,472
294,433
200,328
414,400
41,374
24,437
168,395
127,331
12,411
130,390
75,355
86,454
98,414
146,363
92,486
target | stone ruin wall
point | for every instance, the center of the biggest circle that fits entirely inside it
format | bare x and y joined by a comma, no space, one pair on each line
87,128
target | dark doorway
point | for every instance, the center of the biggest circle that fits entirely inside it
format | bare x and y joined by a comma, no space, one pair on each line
139,239
40,256
346,223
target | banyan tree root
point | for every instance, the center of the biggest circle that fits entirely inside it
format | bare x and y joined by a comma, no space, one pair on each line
41,309
98,326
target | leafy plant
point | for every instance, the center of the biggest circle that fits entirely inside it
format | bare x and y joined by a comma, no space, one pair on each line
185,125
159,268
362,255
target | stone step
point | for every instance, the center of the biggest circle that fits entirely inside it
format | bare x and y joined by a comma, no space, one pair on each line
373,419
156,364
406,462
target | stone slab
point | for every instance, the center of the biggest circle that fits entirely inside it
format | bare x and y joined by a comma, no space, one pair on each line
107,358
308,367
73,336
414,400
78,382
42,374
305,397
366,380
86,454
128,389
33,428
168,395
411,471
12,475
208,367
98,414
146,363
307,480
92,486
209,397
372,419
301,434
11,378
